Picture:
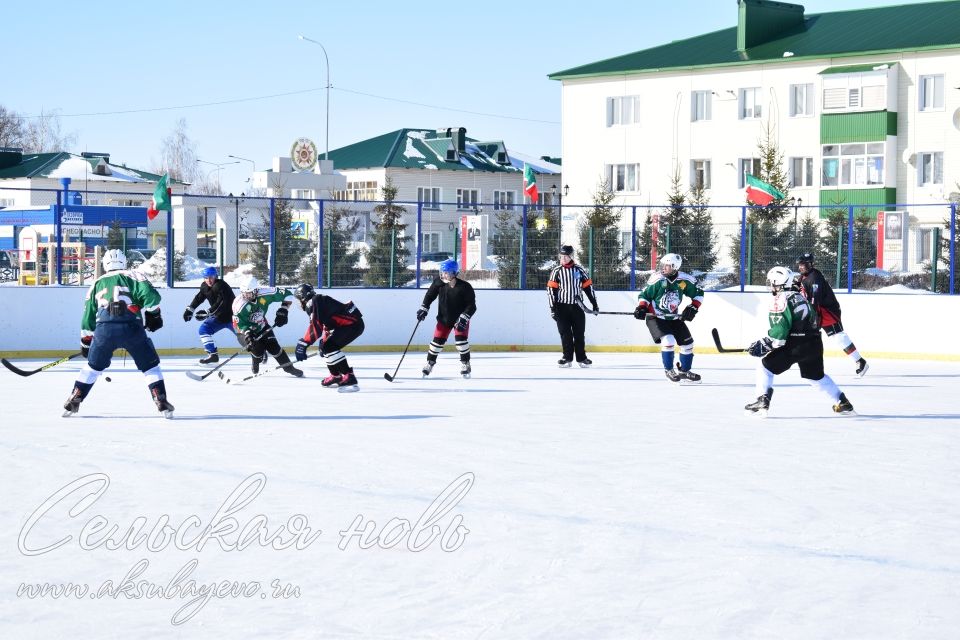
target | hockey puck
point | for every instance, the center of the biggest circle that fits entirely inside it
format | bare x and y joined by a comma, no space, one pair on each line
107,378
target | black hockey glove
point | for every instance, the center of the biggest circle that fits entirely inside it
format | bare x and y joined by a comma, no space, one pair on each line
301,351
187,314
152,320
640,312
689,313
596,309
760,348
282,317
462,323
422,313
85,345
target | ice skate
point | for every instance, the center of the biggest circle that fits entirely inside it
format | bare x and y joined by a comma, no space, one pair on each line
159,394
255,365
210,358
862,367
348,383
586,363
292,370
843,407
71,406
465,369
563,363
427,368
673,375
688,377
759,407
332,381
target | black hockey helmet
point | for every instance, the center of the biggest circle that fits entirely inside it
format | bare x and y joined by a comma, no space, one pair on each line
304,293
566,250
805,257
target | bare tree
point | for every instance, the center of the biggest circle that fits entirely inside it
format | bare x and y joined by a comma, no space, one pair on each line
11,128
43,134
179,155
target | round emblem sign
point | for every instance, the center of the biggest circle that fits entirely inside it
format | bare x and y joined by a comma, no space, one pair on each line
303,154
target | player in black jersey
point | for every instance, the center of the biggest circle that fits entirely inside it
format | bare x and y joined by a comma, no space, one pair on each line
457,305
336,324
220,296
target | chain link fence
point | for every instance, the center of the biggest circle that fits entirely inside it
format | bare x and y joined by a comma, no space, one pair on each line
50,236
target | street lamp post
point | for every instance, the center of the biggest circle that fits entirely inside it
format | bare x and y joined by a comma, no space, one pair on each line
558,197
796,203
245,160
326,60
219,167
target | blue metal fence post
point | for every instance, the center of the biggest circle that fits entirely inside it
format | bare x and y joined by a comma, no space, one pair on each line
420,241
633,249
743,248
953,245
272,278
523,249
170,255
320,252
62,199
850,249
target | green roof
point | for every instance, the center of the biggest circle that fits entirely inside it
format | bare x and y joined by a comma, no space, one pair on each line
930,25
418,149
857,68
41,165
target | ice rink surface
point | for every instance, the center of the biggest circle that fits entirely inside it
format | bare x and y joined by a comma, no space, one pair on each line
552,503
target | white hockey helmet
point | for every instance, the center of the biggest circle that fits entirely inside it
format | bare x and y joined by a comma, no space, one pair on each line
670,264
779,279
114,260
248,288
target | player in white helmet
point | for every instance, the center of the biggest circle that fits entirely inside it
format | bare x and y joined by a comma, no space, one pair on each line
250,322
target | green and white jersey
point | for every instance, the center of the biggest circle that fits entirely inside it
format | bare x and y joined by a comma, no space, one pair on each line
252,315
663,297
791,315
131,287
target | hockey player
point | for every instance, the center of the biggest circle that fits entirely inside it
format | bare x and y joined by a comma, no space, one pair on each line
111,320
336,325
659,304
220,296
253,330
817,290
565,288
457,305
793,338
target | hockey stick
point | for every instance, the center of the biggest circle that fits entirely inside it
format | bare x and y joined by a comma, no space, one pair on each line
199,378
201,315
255,375
387,376
25,373
716,341
614,313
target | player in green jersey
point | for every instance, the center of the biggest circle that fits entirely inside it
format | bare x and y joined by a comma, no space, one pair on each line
793,338
111,320
659,303
253,330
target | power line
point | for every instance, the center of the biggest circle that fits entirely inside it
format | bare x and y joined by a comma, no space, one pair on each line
279,95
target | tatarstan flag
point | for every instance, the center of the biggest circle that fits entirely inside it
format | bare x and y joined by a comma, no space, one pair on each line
761,193
161,199
530,182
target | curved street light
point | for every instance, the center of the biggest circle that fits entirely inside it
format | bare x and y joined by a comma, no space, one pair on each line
327,62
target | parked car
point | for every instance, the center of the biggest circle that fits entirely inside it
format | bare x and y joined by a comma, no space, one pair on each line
435,256
207,254
135,258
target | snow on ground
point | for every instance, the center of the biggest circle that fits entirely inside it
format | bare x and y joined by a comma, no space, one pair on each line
592,503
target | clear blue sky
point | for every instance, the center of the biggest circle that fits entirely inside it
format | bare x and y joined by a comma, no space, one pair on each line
482,65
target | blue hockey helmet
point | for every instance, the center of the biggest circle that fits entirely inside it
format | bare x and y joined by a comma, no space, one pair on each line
450,266
210,272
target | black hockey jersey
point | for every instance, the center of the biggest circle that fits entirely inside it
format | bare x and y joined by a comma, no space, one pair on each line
454,300
220,296
817,290
329,314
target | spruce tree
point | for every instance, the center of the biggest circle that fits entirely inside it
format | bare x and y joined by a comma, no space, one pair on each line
599,233
541,247
834,244
701,249
115,236
340,258
388,253
290,249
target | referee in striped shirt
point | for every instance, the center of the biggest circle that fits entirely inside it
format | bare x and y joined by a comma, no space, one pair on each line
565,288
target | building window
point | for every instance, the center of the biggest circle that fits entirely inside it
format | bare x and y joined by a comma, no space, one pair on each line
430,242
467,198
700,105
429,196
801,100
750,103
503,200
365,190
931,93
856,164
855,92
623,177
801,172
623,110
700,174
930,168
748,165
301,194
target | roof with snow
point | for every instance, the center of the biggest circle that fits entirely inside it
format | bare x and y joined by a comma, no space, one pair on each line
436,150
15,164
